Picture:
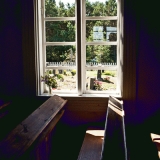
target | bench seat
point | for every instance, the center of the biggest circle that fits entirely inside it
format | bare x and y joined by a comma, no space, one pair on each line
109,143
92,144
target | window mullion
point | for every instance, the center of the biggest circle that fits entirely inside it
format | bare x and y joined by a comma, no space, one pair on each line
59,18
101,43
59,43
78,41
43,39
83,42
120,46
102,18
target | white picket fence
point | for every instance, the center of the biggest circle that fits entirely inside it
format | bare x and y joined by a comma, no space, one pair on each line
74,64
60,63
100,64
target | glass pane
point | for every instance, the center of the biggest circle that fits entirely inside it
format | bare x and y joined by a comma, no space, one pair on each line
101,55
101,80
101,30
60,31
101,7
59,8
61,55
66,79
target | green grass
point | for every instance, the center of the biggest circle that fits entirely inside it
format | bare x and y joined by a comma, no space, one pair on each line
110,73
107,86
94,73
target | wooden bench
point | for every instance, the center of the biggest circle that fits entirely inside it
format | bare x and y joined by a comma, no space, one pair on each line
92,144
3,109
109,143
34,129
156,139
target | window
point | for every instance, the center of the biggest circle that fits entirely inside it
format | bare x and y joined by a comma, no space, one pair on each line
80,43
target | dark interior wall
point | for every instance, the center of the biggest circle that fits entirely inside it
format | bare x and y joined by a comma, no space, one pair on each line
11,58
28,48
130,60
17,57
142,42
148,61
148,91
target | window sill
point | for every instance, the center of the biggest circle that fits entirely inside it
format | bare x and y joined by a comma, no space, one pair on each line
82,96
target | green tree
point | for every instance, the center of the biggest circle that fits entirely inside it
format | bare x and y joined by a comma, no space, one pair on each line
100,9
59,31
64,31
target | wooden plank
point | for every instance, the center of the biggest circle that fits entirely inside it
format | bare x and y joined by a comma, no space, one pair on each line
22,137
92,145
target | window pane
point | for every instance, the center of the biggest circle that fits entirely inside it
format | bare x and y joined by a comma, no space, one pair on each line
60,31
101,54
61,55
59,8
101,7
101,80
101,30
66,79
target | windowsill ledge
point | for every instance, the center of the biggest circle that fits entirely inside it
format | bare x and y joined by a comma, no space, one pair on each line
82,96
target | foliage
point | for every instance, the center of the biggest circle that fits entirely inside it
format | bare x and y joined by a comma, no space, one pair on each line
109,73
64,31
73,72
60,76
49,80
59,31
49,71
68,73
64,72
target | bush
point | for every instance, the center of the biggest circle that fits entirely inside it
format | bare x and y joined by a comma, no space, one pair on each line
68,73
73,72
49,71
49,80
64,72
109,73
60,76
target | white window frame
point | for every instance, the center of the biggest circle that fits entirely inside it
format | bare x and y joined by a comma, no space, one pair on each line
81,43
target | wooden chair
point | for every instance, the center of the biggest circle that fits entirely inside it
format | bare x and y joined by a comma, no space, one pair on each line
114,144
